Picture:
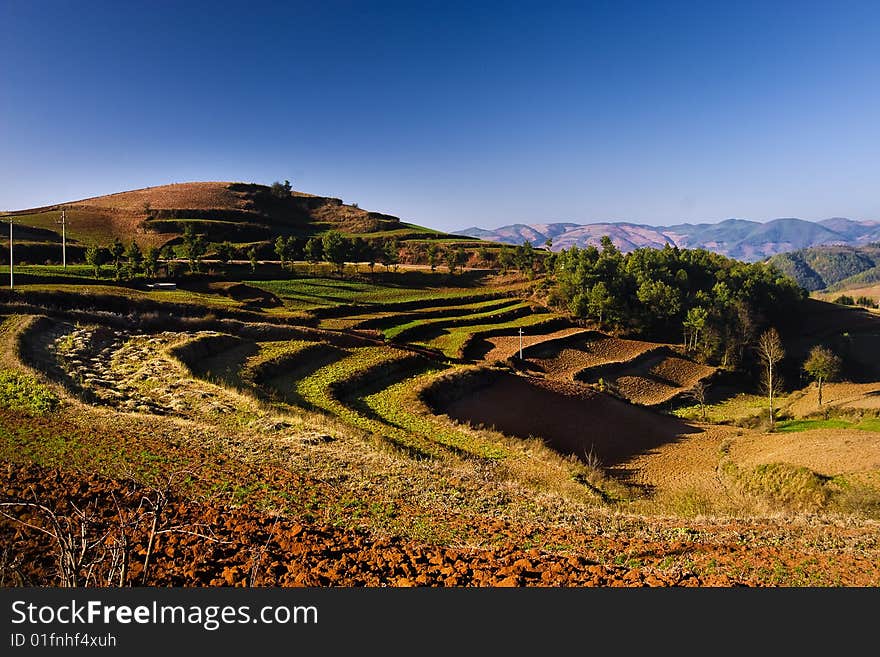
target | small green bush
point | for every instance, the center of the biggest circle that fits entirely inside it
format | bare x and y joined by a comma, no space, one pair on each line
21,392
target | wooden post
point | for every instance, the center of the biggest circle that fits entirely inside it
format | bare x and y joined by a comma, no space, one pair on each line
11,283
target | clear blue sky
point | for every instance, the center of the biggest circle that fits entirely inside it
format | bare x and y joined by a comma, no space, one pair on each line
453,115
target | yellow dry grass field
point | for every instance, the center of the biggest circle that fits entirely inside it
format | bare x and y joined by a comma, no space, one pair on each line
194,195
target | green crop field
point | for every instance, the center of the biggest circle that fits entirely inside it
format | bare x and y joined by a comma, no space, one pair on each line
868,424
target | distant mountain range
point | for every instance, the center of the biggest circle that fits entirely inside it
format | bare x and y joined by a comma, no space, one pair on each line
738,238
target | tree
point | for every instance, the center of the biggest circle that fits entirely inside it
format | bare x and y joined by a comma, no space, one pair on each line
524,257
822,365
135,258
117,250
698,394
461,257
451,260
599,301
169,256
96,257
506,259
694,323
314,250
390,254
252,257
281,250
660,299
194,247
770,351
485,255
281,190
292,247
151,261
225,252
434,256
335,248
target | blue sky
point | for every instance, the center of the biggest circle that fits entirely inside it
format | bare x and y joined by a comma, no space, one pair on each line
452,115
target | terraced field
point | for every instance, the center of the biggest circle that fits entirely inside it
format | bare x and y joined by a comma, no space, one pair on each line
644,373
404,410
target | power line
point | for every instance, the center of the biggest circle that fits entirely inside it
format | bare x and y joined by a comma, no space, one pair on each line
11,281
63,223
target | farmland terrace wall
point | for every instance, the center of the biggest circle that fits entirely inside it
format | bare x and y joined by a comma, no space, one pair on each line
60,301
614,368
202,347
282,363
350,309
454,385
551,347
373,377
549,326
429,329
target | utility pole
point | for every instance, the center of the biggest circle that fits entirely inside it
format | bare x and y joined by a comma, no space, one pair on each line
11,283
520,343
63,223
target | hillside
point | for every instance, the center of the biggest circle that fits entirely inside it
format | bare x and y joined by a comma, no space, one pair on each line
737,238
241,213
383,431
840,267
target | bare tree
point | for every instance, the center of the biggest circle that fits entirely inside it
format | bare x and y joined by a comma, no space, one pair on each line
89,550
698,394
771,352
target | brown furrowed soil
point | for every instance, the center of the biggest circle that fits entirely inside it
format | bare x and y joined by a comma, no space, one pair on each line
592,353
839,396
205,544
646,373
504,347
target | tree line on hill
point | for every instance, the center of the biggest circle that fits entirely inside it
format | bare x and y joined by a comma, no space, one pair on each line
864,301
129,260
715,305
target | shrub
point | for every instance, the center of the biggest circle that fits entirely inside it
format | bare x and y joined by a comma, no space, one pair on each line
281,190
22,392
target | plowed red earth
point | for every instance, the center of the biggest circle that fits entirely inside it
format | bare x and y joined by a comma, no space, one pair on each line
215,545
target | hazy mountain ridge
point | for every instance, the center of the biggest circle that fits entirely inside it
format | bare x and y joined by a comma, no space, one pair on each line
737,238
